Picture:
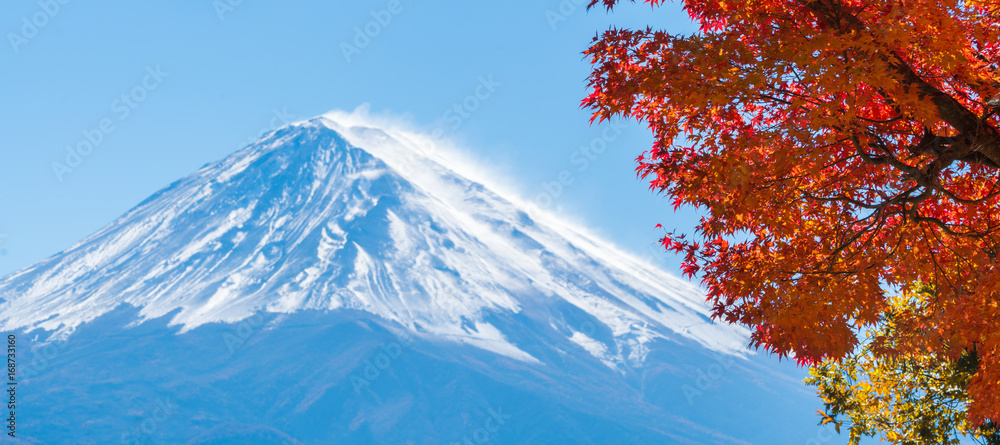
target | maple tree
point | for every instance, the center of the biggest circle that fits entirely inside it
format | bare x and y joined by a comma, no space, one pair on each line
843,151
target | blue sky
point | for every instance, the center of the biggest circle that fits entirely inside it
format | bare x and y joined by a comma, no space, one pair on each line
160,88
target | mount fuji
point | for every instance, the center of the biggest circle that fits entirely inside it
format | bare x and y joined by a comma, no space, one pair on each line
344,281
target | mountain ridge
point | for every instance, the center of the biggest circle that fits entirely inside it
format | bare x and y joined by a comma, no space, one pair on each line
335,283
313,217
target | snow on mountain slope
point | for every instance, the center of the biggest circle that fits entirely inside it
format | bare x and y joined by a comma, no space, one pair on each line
336,212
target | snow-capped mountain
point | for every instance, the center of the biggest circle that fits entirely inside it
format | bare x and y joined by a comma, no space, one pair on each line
336,238
327,215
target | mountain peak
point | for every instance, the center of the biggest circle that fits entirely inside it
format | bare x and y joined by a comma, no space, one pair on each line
339,213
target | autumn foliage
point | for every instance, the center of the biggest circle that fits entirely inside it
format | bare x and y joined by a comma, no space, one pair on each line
843,150
907,399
